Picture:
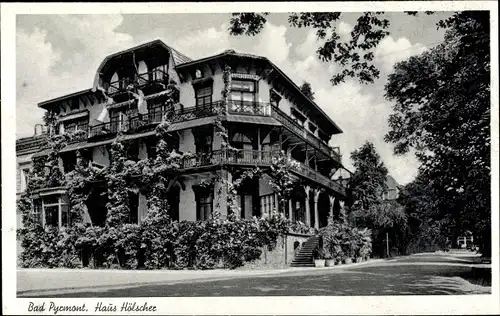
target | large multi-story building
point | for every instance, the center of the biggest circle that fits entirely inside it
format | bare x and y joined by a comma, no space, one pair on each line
266,113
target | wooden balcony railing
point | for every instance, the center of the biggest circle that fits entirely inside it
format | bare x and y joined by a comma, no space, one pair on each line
287,121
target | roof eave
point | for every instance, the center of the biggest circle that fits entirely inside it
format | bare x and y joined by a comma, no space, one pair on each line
45,104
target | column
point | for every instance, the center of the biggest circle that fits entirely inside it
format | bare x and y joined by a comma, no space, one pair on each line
290,209
316,212
332,201
308,208
276,202
343,214
59,213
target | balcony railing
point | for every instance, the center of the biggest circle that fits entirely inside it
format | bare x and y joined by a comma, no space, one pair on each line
249,108
302,131
104,129
141,80
185,114
254,158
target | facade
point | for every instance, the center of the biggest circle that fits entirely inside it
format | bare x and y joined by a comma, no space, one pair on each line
266,113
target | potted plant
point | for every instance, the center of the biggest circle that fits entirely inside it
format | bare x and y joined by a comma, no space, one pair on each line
319,257
329,259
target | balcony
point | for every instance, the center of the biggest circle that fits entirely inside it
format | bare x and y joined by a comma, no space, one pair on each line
254,158
141,81
139,122
265,109
301,131
249,108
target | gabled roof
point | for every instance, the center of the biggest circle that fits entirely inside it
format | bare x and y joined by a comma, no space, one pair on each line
391,182
231,52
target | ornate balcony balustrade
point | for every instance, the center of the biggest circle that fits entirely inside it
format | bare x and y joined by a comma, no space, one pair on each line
249,108
254,158
185,114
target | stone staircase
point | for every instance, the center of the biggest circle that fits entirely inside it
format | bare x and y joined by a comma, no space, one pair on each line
305,256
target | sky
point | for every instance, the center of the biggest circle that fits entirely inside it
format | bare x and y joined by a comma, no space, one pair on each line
59,54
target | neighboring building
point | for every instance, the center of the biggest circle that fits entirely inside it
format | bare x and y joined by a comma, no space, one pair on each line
392,189
266,112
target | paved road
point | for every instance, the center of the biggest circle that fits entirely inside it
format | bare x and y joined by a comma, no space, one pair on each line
430,274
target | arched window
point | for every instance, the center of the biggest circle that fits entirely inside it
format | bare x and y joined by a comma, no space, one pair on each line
114,83
142,68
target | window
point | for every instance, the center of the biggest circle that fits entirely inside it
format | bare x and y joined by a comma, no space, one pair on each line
24,178
204,204
51,215
134,208
81,124
115,118
156,111
37,210
203,95
242,91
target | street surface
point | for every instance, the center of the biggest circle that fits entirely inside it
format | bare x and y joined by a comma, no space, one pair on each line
422,274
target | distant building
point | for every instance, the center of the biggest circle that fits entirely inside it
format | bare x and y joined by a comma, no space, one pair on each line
392,189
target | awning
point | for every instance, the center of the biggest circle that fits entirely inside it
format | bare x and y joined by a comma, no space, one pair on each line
156,95
251,119
43,152
124,137
75,115
191,123
120,104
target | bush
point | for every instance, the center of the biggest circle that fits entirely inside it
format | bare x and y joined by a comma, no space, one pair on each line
157,243
341,241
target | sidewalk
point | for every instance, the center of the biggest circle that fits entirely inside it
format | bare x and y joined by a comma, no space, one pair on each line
50,281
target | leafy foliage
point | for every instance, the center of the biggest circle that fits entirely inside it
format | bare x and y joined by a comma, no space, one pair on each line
355,55
442,111
368,181
306,89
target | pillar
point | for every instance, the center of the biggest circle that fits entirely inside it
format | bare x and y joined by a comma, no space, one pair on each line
308,208
343,214
316,212
290,209
59,213
276,203
332,201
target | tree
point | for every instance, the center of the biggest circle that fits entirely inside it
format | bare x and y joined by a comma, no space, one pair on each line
369,209
368,181
442,111
355,55
306,89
